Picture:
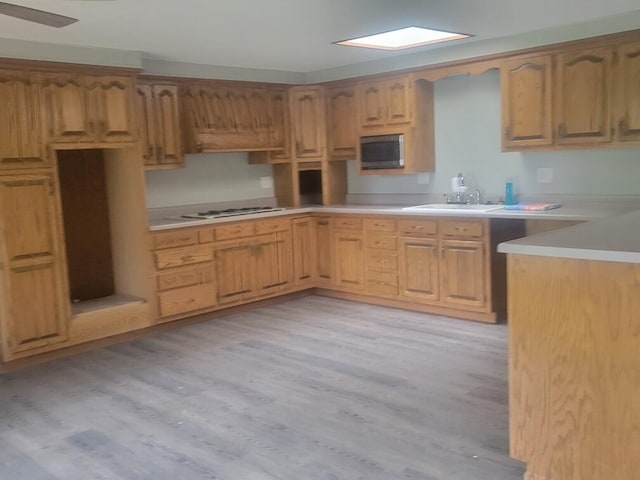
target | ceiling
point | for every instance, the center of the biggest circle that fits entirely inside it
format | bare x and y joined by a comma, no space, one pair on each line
291,35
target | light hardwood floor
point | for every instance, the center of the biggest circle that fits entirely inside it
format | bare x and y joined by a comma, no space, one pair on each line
310,389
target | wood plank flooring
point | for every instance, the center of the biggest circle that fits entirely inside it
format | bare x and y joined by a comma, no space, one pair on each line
311,389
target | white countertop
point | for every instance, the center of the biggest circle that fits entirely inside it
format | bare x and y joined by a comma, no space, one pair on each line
613,239
583,213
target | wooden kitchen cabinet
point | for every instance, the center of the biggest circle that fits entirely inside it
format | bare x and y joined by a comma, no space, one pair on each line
381,256
250,265
349,253
304,250
583,96
384,102
159,120
279,130
89,109
185,275
464,265
324,249
342,133
225,117
627,87
526,89
309,122
34,310
419,260
21,134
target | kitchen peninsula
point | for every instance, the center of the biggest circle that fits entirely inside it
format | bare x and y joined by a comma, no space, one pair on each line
574,341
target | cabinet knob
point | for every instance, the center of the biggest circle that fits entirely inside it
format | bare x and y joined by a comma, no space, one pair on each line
623,126
186,258
562,130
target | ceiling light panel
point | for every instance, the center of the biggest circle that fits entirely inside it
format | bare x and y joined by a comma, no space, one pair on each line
408,37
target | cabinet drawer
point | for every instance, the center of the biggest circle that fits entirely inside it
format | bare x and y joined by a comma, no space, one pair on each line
382,283
187,299
185,278
417,227
347,223
461,228
380,225
382,263
269,226
175,239
384,242
235,230
205,236
183,256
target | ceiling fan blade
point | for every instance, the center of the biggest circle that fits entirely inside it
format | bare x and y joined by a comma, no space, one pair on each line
34,15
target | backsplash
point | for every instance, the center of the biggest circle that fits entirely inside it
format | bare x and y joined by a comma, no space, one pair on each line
208,178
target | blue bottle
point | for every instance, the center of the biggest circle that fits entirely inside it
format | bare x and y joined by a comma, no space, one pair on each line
509,195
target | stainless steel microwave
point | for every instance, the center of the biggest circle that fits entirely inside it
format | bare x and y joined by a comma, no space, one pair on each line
382,152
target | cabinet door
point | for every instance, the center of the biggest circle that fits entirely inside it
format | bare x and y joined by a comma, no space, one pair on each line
419,278
304,251
308,117
350,261
111,100
526,102
168,140
273,262
583,96
66,109
341,120
324,249
33,307
235,271
398,96
628,102
279,125
463,273
146,119
372,104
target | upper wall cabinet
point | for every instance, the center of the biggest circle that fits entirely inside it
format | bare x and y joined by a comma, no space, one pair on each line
583,96
226,118
21,136
159,120
526,102
628,90
385,102
89,108
578,98
279,129
309,128
342,132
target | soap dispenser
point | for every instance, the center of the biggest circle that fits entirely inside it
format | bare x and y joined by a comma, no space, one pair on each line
509,193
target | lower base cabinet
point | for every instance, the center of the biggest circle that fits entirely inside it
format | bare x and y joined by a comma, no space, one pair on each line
33,312
349,260
419,269
464,273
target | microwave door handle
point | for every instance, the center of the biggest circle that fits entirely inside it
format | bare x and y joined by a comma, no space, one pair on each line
401,148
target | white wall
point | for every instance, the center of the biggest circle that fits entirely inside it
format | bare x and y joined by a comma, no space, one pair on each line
467,136
207,178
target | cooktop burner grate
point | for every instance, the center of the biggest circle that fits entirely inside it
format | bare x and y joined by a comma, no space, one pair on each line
230,212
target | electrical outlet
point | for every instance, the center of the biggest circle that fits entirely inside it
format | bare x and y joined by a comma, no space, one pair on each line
544,175
423,178
266,182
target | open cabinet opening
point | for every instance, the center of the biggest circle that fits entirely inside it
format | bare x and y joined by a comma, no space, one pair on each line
310,187
87,228
101,230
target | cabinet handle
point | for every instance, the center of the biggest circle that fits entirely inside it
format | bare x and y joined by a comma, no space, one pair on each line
150,152
562,130
186,258
623,127
418,227
159,151
507,133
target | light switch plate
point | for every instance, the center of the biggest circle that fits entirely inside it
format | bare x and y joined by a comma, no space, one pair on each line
266,182
544,175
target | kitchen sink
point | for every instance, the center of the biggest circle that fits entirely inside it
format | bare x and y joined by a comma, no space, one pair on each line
455,207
